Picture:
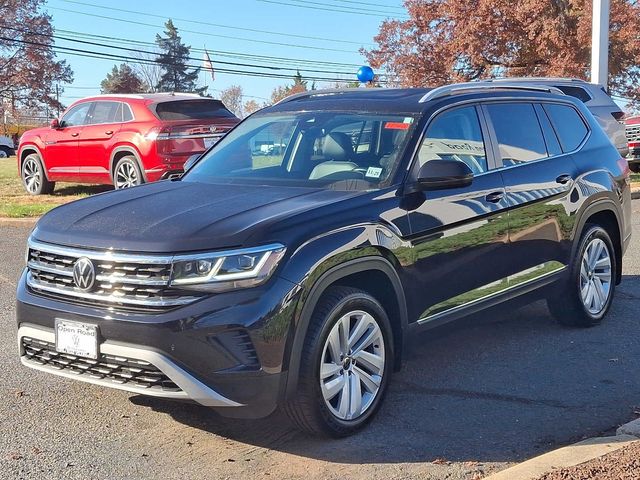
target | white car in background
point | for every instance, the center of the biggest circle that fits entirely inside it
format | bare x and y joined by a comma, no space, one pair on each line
7,148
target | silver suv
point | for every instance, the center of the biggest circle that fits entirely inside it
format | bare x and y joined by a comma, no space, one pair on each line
608,114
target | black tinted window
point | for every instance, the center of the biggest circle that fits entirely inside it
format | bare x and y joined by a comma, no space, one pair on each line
550,137
455,135
577,92
103,112
192,110
568,125
518,132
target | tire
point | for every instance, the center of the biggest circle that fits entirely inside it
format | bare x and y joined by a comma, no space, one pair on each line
34,179
127,173
587,296
5,152
634,167
325,405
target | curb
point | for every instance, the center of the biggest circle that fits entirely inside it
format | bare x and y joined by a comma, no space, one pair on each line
18,222
571,455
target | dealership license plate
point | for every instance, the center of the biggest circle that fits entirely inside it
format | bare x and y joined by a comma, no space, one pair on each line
209,141
76,338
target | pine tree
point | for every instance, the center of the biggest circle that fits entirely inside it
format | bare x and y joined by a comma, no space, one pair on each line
122,80
174,60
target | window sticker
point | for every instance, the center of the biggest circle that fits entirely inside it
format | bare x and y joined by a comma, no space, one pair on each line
397,125
374,172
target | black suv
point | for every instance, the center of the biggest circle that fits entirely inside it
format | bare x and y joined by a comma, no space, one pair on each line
290,263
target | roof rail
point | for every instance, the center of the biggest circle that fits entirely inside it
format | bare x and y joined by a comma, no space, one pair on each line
470,87
316,93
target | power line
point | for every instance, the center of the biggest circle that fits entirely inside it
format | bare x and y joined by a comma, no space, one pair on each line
137,50
325,7
370,4
223,53
206,34
109,56
199,22
357,9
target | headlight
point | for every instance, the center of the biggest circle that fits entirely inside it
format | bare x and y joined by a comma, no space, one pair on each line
220,271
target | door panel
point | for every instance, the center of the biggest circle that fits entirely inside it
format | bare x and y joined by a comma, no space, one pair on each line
94,146
538,188
459,243
61,145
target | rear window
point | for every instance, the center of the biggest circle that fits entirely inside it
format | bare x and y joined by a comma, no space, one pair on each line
568,125
192,110
577,92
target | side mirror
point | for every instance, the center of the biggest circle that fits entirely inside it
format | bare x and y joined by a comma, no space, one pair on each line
55,124
442,174
191,161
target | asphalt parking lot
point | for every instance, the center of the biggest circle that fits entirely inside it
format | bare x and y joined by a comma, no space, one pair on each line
472,398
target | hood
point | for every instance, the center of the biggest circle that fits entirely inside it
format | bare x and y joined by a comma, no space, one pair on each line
179,216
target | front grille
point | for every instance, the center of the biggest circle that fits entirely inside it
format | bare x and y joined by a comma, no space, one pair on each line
107,368
633,132
121,280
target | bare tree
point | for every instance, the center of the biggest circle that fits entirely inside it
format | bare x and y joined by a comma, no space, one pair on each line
232,99
148,70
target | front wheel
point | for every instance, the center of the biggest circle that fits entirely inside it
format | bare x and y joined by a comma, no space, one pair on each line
588,294
127,173
346,363
34,180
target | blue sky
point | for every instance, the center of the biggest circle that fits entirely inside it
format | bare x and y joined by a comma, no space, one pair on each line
339,35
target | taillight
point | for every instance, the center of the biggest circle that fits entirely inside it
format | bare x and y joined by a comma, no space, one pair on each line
156,132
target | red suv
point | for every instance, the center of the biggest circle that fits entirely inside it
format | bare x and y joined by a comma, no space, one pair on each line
124,140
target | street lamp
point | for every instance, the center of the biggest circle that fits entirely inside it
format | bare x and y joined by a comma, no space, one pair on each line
600,42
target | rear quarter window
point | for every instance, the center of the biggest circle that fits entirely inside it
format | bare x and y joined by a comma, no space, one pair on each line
568,124
576,92
192,110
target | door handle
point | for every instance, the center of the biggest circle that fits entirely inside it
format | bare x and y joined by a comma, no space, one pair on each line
75,134
494,197
562,179
109,132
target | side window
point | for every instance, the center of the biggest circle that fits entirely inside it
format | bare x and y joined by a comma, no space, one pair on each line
550,137
270,144
77,115
456,135
103,112
518,132
568,125
127,115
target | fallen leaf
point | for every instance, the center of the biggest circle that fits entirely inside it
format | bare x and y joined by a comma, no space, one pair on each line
20,393
15,456
440,461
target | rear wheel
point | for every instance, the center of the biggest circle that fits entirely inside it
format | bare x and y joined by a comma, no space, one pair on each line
346,364
5,152
587,296
634,167
127,173
34,179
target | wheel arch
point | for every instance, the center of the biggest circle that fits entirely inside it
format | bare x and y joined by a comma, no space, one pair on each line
372,274
124,151
605,214
27,150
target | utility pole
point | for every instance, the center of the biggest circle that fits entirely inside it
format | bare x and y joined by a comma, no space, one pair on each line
600,42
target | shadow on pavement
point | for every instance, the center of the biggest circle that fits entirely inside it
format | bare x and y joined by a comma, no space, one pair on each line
496,387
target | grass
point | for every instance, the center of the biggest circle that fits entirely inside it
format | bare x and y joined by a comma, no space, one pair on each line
15,202
635,178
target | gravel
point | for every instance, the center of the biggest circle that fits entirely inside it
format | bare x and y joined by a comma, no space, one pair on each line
623,464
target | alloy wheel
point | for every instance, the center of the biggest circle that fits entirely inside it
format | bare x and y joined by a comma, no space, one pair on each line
352,365
126,176
32,175
595,276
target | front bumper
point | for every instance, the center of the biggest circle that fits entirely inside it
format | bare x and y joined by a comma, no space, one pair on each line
225,350
188,387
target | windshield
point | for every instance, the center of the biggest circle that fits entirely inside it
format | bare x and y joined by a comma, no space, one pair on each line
343,151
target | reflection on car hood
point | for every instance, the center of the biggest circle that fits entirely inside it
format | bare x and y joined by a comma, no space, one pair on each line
166,217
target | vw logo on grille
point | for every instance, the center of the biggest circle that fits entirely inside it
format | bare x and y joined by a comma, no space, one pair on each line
213,129
84,274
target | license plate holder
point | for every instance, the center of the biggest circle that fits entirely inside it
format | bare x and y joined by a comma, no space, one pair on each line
76,338
209,141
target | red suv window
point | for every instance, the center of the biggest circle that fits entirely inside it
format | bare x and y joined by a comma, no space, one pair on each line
192,110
